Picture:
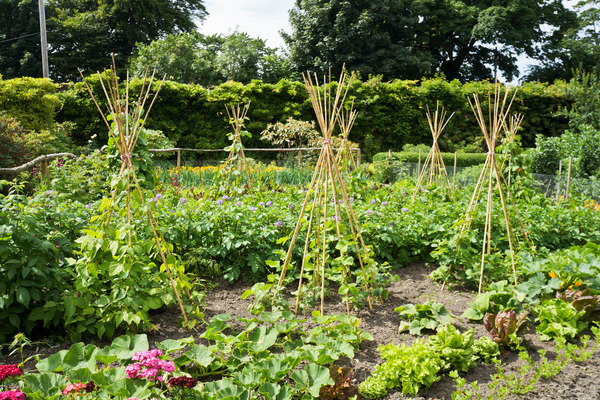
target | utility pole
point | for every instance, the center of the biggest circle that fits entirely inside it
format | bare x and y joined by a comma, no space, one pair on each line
44,43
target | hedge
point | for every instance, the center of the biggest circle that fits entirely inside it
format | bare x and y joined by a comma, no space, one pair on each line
390,114
385,163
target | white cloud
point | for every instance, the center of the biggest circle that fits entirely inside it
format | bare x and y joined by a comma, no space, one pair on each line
258,18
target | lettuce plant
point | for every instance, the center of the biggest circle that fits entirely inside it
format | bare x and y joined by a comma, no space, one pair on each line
430,315
582,300
505,326
556,318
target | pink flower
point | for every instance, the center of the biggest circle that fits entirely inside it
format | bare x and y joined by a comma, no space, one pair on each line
12,395
10,370
73,387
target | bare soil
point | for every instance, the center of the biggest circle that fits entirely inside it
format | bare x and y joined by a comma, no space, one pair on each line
579,381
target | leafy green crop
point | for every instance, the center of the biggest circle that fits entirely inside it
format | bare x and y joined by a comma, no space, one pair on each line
499,296
505,326
430,315
556,318
416,367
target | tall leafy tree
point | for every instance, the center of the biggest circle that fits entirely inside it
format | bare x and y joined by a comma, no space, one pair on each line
370,36
579,49
184,57
84,33
20,53
466,39
211,60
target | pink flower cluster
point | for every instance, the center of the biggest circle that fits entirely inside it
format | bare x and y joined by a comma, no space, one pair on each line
78,387
149,365
10,370
12,395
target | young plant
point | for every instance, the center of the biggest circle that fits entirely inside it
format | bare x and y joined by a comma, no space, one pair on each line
430,315
499,296
557,318
582,300
345,386
505,326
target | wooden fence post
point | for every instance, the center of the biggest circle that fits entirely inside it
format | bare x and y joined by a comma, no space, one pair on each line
44,174
178,159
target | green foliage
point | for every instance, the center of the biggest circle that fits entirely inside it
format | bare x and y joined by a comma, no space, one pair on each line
409,368
19,28
13,148
412,39
386,167
36,237
498,297
56,139
85,178
249,363
580,146
430,315
32,102
391,114
78,31
157,140
210,60
292,133
582,300
416,367
558,318
546,275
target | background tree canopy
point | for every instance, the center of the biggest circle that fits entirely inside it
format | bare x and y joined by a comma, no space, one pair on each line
410,39
210,60
579,48
84,33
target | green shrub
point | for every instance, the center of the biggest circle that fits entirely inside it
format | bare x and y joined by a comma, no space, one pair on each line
56,139
33,102
13,148
385,166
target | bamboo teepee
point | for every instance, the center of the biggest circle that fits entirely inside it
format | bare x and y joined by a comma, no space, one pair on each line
492,174
129,117
327,202
346,120
236,162
511,128
434,170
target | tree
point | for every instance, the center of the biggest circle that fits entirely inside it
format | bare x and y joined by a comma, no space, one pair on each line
185,58
370,36
211,60
84,33
579,49
410,39
20,39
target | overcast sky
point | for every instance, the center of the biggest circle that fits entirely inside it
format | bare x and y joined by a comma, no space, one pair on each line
258,18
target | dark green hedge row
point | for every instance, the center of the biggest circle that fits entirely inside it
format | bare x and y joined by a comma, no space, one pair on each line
391,114
385,164
462,159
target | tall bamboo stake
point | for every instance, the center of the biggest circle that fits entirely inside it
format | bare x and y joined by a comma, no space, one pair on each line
237,117
346,120
129,123
326,185
498,109
434,170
